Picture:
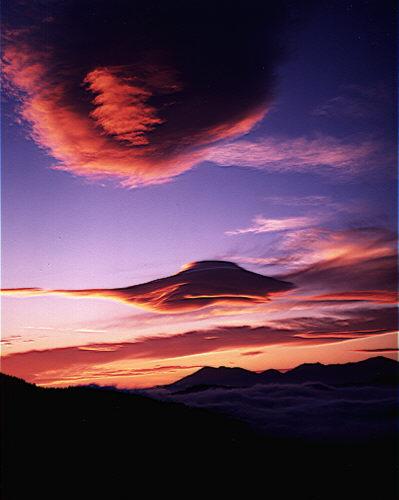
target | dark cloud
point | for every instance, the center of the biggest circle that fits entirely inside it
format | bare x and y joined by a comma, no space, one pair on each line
197,285
138,90
252,353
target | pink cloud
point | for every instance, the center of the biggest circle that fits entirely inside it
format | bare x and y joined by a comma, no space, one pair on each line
297,154
121,105
116,138
262,224
122,136
356,261
67,363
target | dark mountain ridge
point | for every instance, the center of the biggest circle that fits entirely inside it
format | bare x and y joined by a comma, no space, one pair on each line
375,370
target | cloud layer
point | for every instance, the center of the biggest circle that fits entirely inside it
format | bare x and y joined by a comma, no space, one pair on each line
139,92
81,363
312,411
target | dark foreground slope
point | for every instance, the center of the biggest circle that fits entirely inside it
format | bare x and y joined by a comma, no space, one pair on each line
87,443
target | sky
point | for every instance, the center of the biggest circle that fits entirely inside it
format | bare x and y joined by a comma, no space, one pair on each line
188,184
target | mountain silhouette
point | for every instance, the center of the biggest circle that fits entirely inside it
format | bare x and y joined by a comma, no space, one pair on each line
376,370
222,376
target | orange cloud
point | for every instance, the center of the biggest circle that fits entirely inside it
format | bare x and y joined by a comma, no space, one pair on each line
84,143
51,365
198,285
130,122
382,296
355,261
121,107
145,111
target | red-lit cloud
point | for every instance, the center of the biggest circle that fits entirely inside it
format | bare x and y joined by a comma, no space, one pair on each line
357,263
332,268
197,285
146,109
102,143
168,97
63,363
383,296
121,105
350,264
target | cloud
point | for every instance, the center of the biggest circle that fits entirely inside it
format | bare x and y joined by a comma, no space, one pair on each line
357,102
50,364
252,353
197,285
311,200
263,224
383,296
364,321
94,374
360,261
301,154
313,411
324,204
66,363
160,85
382,349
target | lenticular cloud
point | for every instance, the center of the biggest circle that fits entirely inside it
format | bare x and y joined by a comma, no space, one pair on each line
136,91
197,285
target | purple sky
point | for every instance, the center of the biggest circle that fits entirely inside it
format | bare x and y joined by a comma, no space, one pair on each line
313,177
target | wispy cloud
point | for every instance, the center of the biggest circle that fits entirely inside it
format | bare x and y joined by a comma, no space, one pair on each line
252,353
331,267
299,201
262,224
356,102
355,260
383,296
381,350
54,364
301,154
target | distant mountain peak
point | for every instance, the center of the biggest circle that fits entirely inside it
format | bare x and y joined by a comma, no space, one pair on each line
232,376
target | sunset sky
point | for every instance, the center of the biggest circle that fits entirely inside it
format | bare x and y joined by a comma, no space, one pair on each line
141,139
